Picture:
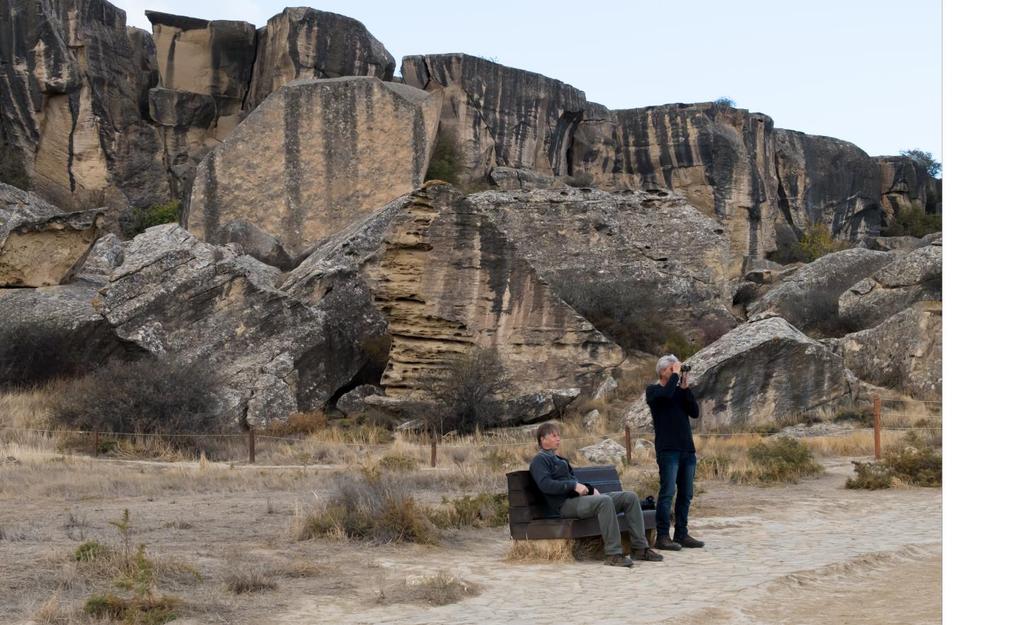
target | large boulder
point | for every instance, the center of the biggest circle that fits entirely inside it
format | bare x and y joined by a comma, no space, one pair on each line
764,372
912,277
306,43
907,185
277,352
446,279
904,352
809,297
605,452
827,181
500,116
723,158
40,245
349,145
651,246
73,80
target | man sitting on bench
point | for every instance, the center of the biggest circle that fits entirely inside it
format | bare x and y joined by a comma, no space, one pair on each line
569,498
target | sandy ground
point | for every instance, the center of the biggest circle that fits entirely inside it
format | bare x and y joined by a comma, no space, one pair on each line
807,553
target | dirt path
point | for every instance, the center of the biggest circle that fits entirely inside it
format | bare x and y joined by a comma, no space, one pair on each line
809,553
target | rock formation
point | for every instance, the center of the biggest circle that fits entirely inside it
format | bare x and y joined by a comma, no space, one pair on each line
828,181
722,158
500,116
306,43
39,244
766,371
71,82
584,242
906,184
904,352
912,277
808,298
340,149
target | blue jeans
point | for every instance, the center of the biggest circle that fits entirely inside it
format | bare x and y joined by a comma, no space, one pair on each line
676,470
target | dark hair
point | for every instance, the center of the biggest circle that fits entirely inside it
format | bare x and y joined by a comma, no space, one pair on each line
544,430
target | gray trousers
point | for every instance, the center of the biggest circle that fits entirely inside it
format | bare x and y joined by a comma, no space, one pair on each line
605,507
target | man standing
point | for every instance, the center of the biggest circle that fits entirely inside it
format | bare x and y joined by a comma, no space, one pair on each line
567,497
672,405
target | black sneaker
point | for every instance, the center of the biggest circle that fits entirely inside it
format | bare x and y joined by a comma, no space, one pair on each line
689,542
647,555
618,560
666,543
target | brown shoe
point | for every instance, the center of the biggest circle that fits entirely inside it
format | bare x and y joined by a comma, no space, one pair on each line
690,542
647,555
666,543
618,560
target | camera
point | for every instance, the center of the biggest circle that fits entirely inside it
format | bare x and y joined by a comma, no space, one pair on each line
685,368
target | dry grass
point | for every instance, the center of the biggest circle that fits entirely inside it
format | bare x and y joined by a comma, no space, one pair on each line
555,550
249,581
441,588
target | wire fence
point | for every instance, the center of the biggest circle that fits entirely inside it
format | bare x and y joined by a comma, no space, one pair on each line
246,446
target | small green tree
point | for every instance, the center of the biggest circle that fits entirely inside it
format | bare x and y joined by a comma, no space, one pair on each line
932,166
446,161
818,241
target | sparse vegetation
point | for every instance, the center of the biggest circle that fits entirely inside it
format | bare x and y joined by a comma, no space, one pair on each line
447,162
932,166
34,354
783,459
914,461
913,222
250,581
145,610
299,423
724,101
137,220
464,398
441,588
816,242
483,510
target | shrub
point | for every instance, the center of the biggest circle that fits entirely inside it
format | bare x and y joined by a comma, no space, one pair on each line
913,222
397,463
31,355
380,511
870,476
91,551
251,581
925,159
147,397
628,314
723,101
915,462
447,162
299,423
816,242
134,611
483,510
441,589
138,219
465,395
783,459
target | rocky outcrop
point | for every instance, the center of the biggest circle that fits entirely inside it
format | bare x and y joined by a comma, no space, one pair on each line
912,277
349,145
904,352
446,279
827,181
278,352
70,95
721,157
306,43
766,371
500,116
605,452
652,246
40,245
809,297
907,185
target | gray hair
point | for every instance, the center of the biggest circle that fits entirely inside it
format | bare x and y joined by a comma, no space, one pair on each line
664,363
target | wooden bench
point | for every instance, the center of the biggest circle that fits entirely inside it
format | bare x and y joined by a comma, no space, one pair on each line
527,518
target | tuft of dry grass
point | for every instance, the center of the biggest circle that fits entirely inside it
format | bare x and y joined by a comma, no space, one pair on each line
54,612
554,550
441,588
250,581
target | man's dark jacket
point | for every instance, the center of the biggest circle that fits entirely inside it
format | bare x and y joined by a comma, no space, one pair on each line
555,478
671,410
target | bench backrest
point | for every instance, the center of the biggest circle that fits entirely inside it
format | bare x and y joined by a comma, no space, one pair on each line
526,503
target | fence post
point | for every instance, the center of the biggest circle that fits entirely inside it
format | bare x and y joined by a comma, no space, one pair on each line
96,444
252,446
433,453
878,427
629,447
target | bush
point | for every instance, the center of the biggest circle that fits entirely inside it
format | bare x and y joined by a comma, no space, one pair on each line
723,101
925,159
33,354
483,510
447,162
628,314
299,423
913,222
915,462
249,582
135,611
870,476
90,551
465,395
149,396
783,459
397,463
380,510
138,219
816,242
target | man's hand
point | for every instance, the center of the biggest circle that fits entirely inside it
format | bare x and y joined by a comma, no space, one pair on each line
597,492
581,489
684,382
677,367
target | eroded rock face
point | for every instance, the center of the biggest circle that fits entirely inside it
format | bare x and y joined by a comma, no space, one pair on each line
605,452
906,184
349,145
765,371
722,158
70,91
903,352
446,279
809,297
40,245
656,243
500,116
827,181
911,277
277,352
307,43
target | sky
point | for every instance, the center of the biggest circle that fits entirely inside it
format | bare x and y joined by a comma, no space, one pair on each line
868,72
